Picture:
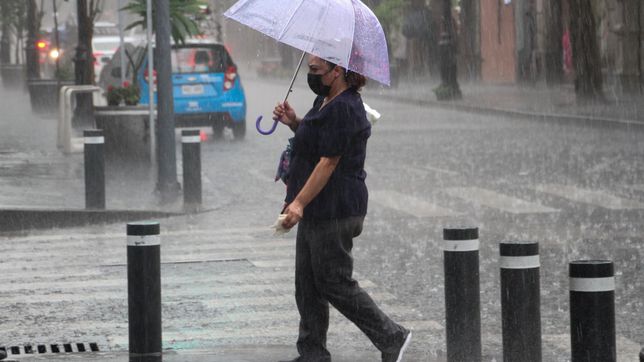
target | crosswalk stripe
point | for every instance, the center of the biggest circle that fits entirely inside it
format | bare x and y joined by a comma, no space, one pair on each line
276,263
110,243
396,312
45,262
224,232
638,187
592,197
166,281
224,293
497,200
118,250
624,345
232,303
409,204
281,282
440,170
339,327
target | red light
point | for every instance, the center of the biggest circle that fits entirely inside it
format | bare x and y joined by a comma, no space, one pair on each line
154,76
203,137
97,56
229,77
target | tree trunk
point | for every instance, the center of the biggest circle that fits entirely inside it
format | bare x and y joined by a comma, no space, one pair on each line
553,48
5,40
470,15
585,51
33,66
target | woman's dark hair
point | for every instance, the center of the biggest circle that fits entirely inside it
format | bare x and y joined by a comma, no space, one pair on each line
353,79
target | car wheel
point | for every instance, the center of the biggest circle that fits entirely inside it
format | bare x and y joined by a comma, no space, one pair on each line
239,130
217,131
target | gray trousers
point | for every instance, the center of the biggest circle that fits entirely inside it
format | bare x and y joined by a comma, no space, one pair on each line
323,275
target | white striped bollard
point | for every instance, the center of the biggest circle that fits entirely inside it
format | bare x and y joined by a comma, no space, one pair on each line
191,155
592,311
144,288
94,162
520,301
462,296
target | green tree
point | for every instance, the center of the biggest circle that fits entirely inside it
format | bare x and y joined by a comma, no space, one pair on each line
183,16
389,13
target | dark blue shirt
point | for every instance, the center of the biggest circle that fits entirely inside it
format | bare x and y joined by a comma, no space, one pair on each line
340,129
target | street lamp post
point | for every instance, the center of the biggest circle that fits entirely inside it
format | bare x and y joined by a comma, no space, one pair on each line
449,88
167,185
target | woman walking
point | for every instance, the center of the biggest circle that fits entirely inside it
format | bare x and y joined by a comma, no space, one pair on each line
327,196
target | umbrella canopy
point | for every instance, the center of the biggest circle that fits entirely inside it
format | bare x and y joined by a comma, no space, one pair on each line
344,32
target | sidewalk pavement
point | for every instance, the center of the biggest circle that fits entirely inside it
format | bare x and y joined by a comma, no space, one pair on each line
535,101
227,354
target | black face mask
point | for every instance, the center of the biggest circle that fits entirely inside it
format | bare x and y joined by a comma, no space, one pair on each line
316,85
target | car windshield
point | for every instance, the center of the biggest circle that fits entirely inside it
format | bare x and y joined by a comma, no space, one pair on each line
198,60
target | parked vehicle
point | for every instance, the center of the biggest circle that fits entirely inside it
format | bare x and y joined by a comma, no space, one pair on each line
105,41
207,89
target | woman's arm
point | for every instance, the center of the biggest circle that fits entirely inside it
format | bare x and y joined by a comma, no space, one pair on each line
315,183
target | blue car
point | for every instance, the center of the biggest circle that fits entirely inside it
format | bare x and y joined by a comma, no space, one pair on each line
207,89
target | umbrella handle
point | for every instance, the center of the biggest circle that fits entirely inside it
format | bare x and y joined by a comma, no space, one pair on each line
290,89
265,133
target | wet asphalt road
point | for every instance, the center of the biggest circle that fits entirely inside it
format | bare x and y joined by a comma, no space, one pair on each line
576,189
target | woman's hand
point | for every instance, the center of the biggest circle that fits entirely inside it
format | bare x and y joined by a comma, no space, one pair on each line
285,114
294,212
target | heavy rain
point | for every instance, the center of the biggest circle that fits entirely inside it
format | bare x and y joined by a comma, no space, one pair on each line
521,118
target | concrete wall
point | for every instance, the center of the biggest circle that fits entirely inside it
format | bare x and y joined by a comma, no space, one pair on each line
498,42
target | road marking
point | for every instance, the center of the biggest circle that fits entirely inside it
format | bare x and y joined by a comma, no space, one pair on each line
638,187
214,233
275,263
338,328
497,200
409,204
27,252
440,170
258,301
119,259
626,348
591,197
102,281
397,312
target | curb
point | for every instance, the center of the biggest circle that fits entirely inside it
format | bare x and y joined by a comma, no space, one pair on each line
13,220
453,105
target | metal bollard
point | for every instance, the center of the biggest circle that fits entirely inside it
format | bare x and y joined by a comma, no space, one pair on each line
592,310
144,287
520,301
94,169
191,152
462,296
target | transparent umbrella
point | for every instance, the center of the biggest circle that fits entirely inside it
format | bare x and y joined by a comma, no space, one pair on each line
344,32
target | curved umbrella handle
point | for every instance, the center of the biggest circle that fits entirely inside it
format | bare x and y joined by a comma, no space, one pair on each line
259,120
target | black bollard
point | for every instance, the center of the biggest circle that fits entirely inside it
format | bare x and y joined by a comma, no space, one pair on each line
642,355
191,151
462,296
520,301
592,310
94,169
144,287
